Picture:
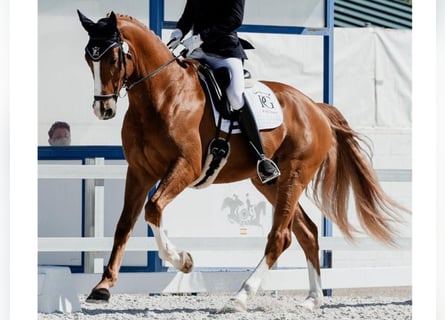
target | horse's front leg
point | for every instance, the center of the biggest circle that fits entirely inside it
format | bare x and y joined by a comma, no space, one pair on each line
180,177
167,251
136,189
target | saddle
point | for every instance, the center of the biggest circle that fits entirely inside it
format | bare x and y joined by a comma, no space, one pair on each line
261,98
215,83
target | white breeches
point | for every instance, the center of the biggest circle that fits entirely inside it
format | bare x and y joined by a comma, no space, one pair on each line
235,65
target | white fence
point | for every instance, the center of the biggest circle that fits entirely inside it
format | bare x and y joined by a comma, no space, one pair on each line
158,282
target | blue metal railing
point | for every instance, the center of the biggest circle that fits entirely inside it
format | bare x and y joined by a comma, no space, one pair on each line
154,263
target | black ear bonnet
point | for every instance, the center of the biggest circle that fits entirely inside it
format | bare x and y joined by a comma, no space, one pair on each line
104,35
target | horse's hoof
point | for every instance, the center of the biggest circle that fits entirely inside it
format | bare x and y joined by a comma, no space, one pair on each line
101,295
233,306
187,262
311,303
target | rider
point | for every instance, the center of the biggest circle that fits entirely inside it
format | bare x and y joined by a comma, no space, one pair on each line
216,22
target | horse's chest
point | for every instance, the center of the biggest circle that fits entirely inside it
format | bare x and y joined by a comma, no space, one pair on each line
147,143
150,151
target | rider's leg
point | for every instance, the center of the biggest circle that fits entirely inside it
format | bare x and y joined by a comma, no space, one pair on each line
267,169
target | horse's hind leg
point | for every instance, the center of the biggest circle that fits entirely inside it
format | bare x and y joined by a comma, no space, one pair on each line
307,235
286,196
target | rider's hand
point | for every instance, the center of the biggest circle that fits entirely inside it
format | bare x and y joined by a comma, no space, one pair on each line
192,43
175,39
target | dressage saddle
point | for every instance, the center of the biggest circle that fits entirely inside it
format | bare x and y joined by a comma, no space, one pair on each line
215,83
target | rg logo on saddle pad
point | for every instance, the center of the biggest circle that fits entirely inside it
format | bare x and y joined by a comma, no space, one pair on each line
265,99
263,102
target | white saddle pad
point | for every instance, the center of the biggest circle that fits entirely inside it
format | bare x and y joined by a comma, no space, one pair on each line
265,107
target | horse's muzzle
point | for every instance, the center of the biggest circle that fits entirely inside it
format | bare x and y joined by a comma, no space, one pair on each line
105,109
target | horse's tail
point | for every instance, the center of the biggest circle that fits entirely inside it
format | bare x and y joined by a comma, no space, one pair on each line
346,168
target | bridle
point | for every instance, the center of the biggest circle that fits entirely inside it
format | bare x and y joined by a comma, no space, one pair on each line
123,50
121,60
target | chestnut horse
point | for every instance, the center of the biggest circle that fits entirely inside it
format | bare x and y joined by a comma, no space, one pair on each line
165,134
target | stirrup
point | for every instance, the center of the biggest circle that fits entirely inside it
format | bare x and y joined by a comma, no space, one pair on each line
270,175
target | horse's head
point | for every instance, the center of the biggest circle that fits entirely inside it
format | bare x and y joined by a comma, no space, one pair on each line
106,54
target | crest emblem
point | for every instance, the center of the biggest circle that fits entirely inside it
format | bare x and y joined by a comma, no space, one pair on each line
96,52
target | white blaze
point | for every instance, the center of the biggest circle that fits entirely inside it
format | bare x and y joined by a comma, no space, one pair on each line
101,105
97,80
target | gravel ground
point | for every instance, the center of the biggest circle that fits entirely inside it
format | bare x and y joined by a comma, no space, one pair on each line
375,304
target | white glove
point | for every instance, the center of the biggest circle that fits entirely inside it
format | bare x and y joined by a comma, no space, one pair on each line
192,43
175,39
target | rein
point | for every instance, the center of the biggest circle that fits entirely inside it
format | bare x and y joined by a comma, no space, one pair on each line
151,74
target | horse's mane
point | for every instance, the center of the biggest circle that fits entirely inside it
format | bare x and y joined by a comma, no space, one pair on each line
134,21
131,19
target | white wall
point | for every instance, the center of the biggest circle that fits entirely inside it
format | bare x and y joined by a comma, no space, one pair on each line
372,88
372,69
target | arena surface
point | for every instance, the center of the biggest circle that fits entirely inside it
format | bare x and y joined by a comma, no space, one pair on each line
345,304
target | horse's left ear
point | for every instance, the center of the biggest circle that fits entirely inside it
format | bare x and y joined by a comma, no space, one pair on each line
112,20
86,23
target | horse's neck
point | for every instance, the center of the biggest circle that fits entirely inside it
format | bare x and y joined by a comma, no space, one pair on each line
151,56
149,51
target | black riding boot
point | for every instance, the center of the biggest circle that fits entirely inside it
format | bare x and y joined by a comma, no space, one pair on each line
267,169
